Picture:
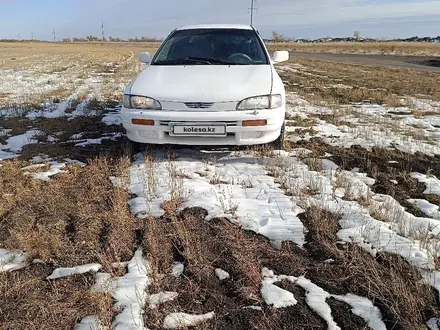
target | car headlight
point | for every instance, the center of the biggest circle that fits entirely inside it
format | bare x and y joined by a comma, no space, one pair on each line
141,102
261,102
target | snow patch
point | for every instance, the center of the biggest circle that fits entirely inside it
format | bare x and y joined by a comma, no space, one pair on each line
89,323
275,296
364,308
130,294
179,320
427,208
11,260
250,197
161,297
15,143
431,182
104,283
221,274
63,272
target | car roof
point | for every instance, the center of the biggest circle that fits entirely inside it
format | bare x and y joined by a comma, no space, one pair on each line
216,26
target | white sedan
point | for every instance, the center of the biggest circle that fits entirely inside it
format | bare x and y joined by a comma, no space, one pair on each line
207,85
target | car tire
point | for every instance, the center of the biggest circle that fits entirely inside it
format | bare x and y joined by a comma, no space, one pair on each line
136,147
278,144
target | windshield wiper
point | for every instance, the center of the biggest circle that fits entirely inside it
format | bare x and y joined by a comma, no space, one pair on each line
210,60
193,59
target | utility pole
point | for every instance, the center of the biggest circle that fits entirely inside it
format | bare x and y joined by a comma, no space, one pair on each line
102,30
252,9
54,35
32,36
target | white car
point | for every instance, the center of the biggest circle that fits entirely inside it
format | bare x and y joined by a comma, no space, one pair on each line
207,85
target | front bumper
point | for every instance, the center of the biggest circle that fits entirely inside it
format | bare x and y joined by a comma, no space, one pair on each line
236,133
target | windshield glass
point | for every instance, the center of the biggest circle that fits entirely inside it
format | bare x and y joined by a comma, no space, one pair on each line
211,47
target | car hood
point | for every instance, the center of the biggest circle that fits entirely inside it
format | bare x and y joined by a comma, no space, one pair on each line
203,83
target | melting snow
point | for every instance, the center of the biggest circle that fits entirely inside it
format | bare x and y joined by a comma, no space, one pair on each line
161,297
15,143
370,126
275,296
249,198
316,299
427,208
178,320
364,308
178,268
89,323
11,260
431,182
221,274
63,272
433,323
130,294
104,282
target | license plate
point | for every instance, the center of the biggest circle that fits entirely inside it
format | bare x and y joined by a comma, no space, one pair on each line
197,129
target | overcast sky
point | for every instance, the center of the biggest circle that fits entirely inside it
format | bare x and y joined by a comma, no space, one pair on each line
293,18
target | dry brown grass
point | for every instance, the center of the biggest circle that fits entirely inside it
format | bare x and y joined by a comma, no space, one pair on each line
21,55
75,219
388,280
30,302
395,48
321,81
392,284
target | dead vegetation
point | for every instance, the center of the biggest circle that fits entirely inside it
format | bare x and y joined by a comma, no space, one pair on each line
344,83
202,246
389,167
30,302
74,219
395,48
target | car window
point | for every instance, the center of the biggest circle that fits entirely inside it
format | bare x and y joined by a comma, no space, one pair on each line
211,46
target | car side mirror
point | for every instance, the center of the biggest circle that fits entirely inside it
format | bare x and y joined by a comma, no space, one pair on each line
280,56
145,57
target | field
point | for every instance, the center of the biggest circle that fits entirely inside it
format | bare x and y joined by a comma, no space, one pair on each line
340,230
371,48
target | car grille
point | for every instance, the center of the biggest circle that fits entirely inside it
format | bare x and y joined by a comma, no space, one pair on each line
199,105
167,122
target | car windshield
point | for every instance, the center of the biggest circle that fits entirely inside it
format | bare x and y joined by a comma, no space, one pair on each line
211,47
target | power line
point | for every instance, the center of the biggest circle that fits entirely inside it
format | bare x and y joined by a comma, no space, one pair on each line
252,9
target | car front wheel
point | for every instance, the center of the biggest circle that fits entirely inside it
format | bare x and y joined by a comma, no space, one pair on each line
278,144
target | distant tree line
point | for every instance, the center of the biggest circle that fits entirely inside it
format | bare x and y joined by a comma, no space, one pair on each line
278,37
91,39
